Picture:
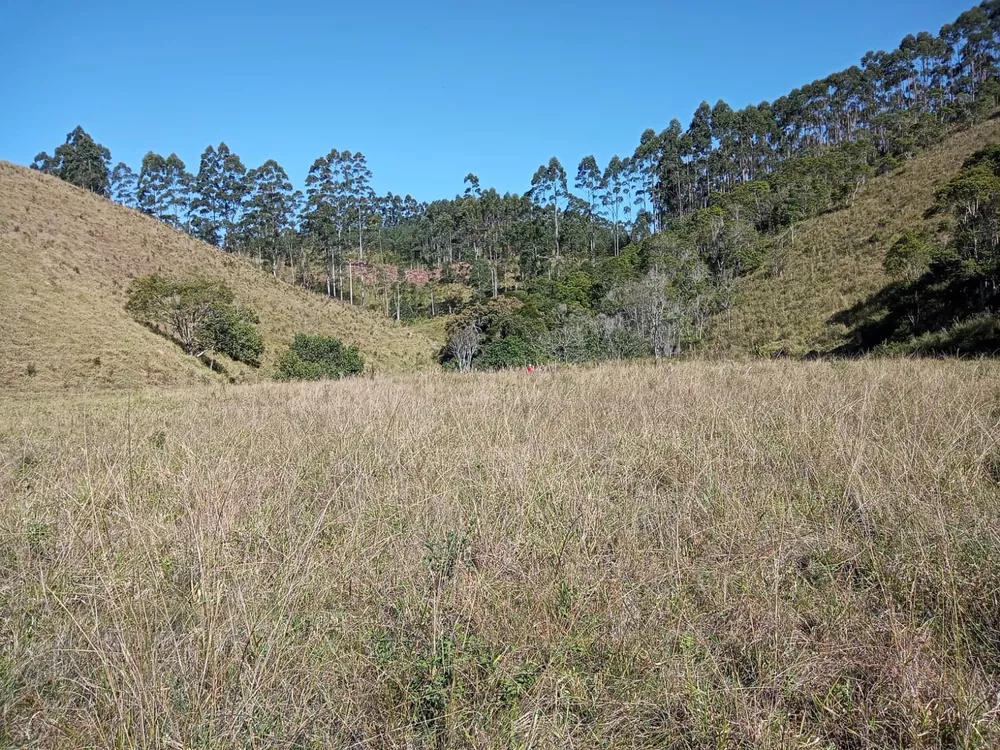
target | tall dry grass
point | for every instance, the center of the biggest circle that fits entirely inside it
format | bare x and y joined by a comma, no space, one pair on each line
767,555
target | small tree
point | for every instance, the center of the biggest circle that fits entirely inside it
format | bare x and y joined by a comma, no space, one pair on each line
200,314
908,258
464,343
319,357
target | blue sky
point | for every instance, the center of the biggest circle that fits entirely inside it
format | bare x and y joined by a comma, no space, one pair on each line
427,91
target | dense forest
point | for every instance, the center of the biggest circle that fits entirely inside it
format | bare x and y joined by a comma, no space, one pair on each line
625,259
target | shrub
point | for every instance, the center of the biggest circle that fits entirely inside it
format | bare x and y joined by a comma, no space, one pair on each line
512,351
318,357
584,339
908,258
233,332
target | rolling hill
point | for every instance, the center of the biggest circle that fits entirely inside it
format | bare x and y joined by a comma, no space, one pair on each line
834,261
68,257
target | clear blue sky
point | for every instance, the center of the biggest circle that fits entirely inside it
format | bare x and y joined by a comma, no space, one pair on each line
428,91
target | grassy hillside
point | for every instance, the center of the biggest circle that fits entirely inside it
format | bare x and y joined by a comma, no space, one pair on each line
834,261
67,258
696,555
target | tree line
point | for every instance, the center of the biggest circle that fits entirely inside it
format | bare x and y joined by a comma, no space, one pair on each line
684,213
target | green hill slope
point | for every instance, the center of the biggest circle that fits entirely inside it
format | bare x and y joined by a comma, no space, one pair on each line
68,257
834,261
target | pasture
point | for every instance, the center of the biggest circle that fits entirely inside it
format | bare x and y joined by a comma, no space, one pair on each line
691,555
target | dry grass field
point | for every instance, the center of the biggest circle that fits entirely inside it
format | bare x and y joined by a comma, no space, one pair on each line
694,555
67,259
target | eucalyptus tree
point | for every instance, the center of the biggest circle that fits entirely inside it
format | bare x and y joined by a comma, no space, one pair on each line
80,161
589,179
270,213
123,185
356,178
645,159
325,215
162,188
218,192
612,194
472,188
548,190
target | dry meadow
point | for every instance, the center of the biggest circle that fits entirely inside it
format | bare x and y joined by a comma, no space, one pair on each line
694,555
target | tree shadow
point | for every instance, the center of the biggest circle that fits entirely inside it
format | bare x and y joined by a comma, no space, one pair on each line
941,313
206,358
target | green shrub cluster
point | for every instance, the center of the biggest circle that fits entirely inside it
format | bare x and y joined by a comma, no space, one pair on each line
512,351
319,357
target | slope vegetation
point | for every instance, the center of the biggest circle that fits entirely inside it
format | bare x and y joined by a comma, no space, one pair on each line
68,258
833,262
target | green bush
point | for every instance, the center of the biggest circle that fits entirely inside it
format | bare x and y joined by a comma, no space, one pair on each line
908,258
232,332
319,357
512,351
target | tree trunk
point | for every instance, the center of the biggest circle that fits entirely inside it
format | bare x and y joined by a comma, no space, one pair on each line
361,234
555,214
329,276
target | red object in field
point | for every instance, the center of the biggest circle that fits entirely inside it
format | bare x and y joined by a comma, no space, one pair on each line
531,368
